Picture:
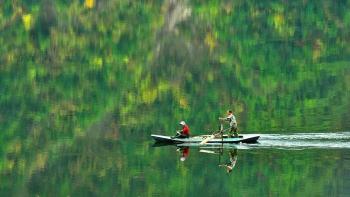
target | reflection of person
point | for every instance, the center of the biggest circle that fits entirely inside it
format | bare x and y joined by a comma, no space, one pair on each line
233,159
233,123
184,153
185,132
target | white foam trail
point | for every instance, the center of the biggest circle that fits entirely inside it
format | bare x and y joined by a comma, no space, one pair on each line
304,140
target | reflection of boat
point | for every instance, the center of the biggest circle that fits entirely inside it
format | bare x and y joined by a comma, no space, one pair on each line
213,148
230,162
201,138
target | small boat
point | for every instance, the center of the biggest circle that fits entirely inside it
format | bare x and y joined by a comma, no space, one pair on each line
208,138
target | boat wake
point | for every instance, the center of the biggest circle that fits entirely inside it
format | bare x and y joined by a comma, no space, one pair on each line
304,140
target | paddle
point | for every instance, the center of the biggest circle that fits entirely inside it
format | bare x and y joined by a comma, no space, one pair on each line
207,139
222,133
212,136
208,151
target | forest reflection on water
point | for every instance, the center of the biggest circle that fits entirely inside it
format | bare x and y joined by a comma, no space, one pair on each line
311,169
117,166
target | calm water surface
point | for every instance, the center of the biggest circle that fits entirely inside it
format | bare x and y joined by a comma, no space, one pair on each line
279,165
316,164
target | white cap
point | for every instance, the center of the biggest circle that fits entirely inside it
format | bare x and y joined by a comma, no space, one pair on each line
182,123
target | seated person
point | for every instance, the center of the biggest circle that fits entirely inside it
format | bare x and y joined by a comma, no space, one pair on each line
185,132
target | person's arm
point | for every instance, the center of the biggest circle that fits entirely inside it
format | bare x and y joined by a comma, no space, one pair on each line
222,119
229,117
225,119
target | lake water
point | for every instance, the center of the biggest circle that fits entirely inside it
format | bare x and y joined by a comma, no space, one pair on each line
279,165
312,164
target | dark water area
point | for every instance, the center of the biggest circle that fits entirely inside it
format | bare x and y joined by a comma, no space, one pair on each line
269,172
315,164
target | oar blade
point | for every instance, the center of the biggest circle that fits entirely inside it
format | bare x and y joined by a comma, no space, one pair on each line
208,151
207,139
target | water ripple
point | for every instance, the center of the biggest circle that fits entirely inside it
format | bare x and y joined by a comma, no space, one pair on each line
304,140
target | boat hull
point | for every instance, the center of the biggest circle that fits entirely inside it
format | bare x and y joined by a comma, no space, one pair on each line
199,139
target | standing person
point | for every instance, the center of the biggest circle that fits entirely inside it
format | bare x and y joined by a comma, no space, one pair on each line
233,123
185,132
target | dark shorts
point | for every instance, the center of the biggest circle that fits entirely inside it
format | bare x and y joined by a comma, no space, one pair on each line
182,136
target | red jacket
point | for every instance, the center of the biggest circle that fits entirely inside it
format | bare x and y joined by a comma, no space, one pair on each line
186,130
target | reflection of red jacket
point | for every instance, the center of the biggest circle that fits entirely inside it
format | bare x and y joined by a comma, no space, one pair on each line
185,152
185,130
